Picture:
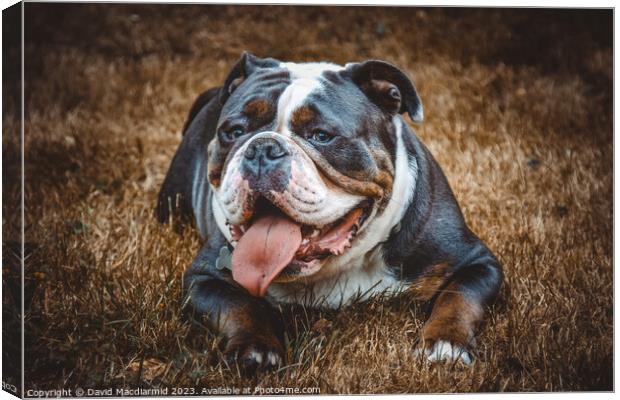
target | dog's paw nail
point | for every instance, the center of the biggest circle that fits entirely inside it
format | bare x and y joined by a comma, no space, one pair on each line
273,359
444,351
252,356
256,357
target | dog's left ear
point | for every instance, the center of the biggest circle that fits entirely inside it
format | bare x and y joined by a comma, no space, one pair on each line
245,66
388,87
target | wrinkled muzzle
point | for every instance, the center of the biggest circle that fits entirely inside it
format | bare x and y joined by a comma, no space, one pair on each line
273,166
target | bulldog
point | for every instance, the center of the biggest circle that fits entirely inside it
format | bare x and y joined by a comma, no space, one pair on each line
309,187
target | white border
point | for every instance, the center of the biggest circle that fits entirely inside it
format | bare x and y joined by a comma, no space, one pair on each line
479,3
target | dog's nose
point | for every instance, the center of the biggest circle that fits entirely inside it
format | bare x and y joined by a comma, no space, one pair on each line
267,164
266,148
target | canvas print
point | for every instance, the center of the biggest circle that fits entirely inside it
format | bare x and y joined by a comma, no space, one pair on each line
303,200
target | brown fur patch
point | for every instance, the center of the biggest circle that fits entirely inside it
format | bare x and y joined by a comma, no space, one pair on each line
302,115
243,326
214,164
385,180
214,176
378,90
234,320
384,173
453,318
256,108
425,287
382,158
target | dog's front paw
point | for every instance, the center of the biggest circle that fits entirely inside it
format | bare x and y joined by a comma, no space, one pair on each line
442,350
252,353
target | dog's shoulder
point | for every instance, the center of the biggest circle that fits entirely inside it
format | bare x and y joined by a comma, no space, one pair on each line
433,231
179,190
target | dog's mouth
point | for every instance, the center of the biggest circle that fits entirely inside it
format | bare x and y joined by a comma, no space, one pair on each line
274,247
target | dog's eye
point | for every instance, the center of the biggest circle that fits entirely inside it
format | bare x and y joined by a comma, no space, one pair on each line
321,136
233,133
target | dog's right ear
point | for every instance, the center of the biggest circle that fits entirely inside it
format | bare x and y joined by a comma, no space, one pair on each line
388,87
247,64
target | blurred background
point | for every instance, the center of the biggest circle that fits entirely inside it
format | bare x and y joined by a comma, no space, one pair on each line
518,106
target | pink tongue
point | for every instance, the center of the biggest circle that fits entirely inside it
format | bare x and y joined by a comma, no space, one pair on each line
264,251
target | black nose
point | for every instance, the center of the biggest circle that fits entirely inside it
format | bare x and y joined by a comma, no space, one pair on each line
267,149
267,164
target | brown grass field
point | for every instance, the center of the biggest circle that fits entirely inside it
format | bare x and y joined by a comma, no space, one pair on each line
519,114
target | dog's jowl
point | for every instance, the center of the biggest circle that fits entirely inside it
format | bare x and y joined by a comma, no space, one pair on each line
309,187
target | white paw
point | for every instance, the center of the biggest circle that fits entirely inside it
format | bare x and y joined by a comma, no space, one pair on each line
445,351
269,359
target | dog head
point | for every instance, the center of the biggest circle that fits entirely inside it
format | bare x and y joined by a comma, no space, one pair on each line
303,161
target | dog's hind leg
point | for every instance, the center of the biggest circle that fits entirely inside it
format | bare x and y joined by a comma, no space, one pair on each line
252,329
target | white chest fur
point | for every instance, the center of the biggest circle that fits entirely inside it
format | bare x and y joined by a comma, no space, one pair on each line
366,277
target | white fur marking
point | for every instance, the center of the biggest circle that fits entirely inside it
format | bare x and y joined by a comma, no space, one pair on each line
292,98
256,356
220,219
305,79
445,351
273,358
309,70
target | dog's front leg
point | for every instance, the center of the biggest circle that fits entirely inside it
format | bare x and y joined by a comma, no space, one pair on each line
458,307
252,329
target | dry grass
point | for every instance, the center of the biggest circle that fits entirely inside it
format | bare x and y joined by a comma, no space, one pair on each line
518,107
